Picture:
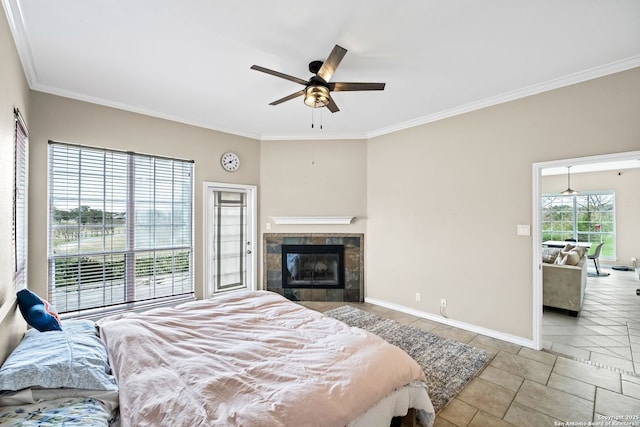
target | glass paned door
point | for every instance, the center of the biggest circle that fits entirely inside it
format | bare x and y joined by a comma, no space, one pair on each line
230,230
229,253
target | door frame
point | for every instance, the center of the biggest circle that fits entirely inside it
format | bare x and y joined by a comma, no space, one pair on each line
252,233
537,226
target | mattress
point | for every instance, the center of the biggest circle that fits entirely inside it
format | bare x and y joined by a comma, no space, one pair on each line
256,359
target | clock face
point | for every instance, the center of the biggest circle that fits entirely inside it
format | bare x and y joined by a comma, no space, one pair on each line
230,162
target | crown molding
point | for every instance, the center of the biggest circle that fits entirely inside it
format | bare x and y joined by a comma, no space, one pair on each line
571,79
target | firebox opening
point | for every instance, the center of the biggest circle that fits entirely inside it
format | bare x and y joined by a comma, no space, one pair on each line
313,266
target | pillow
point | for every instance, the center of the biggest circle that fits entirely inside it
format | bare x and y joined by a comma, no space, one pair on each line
581,250
549,255
561,260
71,358
37,312
572,257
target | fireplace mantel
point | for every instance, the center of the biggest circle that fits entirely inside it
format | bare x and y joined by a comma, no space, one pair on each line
312,220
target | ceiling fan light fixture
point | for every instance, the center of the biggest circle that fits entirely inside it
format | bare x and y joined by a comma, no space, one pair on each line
316,96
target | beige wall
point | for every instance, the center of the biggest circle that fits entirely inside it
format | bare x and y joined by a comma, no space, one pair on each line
14,93
448,195
626,184
66,120
313,178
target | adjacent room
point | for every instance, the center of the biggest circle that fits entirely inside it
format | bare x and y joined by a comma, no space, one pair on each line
348,214
599,325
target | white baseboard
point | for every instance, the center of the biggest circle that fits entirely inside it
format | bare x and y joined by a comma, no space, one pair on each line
525,342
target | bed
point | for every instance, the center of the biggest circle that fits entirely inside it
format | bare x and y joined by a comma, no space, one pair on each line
255,358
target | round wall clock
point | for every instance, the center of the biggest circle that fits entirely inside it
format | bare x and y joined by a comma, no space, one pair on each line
230,161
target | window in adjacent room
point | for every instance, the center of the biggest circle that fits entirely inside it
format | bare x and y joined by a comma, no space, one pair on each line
120,228
19,223
586,217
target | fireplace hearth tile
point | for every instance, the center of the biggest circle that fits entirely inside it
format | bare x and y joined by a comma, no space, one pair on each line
352,295
353,259
352,280
318,294
335,295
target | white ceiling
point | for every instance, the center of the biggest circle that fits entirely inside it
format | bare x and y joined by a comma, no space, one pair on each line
189,60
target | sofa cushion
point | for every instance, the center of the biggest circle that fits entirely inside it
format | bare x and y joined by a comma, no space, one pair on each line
561,259
549,255
581,250
572,257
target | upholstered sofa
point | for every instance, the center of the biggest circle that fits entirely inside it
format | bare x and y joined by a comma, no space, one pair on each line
563,285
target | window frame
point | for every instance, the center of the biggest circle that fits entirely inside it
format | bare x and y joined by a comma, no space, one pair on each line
19,223
588,235
139,192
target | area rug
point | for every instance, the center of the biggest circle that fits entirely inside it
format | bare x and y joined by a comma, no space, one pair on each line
448,365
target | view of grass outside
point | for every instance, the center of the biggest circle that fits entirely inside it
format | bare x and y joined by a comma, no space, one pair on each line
586,217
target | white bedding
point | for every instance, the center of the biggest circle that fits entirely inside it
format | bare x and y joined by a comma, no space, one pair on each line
252,359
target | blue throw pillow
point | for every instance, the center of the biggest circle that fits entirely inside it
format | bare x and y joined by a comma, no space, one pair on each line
37,312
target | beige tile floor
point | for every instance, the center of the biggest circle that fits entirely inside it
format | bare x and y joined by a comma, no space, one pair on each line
524,387
606,331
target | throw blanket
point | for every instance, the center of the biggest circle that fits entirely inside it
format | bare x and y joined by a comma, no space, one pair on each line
248,359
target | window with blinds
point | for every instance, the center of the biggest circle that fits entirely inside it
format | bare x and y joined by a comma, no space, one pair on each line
19,223
120,228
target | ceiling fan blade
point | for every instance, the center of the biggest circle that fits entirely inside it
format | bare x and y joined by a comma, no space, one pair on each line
343,87
331,63
287,98
279,74
332,106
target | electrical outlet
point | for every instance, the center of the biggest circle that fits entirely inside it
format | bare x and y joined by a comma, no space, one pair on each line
443,303
417,296
634,259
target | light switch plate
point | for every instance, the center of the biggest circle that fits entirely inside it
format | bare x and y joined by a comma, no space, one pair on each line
524,230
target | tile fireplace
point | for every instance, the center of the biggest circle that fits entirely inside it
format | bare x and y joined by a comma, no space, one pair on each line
314,267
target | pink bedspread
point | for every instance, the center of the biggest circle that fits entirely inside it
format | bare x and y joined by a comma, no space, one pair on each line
248,359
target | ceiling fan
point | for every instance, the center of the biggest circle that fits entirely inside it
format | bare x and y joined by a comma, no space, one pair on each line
317,91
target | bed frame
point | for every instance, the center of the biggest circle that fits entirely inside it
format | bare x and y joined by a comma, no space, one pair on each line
12,327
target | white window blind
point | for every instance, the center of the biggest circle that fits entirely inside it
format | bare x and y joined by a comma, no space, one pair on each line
19,223
120,227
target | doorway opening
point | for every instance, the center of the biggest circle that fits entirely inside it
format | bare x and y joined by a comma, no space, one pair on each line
609,162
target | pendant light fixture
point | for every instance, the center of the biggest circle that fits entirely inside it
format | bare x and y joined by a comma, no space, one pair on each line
569,191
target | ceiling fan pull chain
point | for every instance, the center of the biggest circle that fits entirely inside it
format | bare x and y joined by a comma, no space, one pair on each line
312,118
320,118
